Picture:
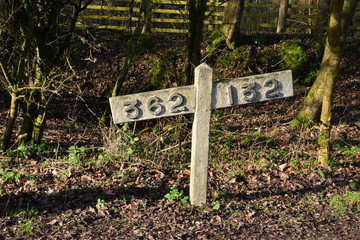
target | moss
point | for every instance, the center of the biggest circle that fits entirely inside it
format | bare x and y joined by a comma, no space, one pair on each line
295,57
323,139
217,38
162,71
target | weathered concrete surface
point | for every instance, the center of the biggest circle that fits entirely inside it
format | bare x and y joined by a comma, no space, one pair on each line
181,100
244,90
200,135
122,111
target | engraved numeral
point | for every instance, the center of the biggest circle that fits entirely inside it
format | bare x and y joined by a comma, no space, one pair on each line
179,105
154,106
231,96
249,92
132,108
273,91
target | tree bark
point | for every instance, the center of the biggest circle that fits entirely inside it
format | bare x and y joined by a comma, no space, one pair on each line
39,122
349,10
231,22
323,17
281,25
334,45
197,10
311,108
13,112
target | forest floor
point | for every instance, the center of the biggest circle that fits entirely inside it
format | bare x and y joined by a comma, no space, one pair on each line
131,181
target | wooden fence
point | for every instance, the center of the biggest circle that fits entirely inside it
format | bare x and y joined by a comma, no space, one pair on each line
171,16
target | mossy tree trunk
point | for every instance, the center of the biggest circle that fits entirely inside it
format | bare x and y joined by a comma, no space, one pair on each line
230,27
13,112
311,108
335,46
197,10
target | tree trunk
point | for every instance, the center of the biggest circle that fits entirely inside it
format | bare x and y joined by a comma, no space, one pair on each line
231,22
282,16
29,108
40,121
323,16
334,45
145,16
349,10
311,107
197,10
13,112
129,58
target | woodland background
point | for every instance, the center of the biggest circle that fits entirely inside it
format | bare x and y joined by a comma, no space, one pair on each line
67,172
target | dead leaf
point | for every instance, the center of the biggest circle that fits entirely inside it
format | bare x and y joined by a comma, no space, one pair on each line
52,222
282,167
284,176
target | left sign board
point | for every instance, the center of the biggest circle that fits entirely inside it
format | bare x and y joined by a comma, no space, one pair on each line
154,104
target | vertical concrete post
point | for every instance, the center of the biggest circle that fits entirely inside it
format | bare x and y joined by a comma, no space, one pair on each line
200,135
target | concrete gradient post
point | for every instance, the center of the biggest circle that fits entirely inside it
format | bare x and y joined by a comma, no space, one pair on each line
200,135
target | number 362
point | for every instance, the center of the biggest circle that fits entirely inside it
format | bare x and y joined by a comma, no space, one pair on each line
155,106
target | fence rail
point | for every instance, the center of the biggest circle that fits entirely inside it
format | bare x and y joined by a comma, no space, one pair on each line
171,16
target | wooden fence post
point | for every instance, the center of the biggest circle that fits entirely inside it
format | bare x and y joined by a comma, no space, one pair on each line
281,25
200,134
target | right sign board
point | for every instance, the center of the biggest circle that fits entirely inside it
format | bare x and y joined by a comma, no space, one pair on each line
268,86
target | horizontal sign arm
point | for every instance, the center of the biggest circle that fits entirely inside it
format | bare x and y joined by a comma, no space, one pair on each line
181,100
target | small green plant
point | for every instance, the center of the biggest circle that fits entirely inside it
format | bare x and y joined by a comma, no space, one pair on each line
347,202
101,203
10,175
27,227
29,212
185,200
175,194
217,206
239,174
354,185
256,137
27,150
353,150
309,79
77,155
294,161
216,39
